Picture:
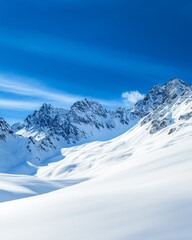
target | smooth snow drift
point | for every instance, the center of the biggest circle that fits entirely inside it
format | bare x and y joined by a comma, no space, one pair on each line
145,198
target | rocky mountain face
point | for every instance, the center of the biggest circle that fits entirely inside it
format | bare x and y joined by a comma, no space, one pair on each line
158,95
5,129
82,121
175,107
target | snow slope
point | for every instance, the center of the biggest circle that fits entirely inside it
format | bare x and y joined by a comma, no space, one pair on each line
165,125
20,186
146,197
139,183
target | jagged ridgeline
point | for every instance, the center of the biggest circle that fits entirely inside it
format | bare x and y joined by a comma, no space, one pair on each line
87,119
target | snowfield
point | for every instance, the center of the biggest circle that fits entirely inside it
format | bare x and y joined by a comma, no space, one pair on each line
137,186
19,186
148,196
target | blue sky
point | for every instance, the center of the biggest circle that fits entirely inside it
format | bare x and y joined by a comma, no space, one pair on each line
111,50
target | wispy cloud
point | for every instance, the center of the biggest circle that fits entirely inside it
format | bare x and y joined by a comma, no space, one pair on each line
18,105
131,97
17,87
39,94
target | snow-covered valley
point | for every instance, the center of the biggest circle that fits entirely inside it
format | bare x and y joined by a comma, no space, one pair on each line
145,197
134,186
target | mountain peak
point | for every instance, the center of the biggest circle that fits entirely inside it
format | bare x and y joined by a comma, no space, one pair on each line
174,88
46,107
174,79
176,82
86,105
4,126
4,129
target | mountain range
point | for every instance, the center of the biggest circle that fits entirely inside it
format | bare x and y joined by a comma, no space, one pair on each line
28,144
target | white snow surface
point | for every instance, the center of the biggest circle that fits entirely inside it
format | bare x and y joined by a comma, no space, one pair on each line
19,186
142,191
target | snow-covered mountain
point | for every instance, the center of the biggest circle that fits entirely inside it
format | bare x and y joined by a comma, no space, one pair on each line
41,135
169,122
87,120
140,184
174,110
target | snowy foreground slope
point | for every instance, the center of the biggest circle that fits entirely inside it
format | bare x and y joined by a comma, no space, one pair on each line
139,184
148,196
